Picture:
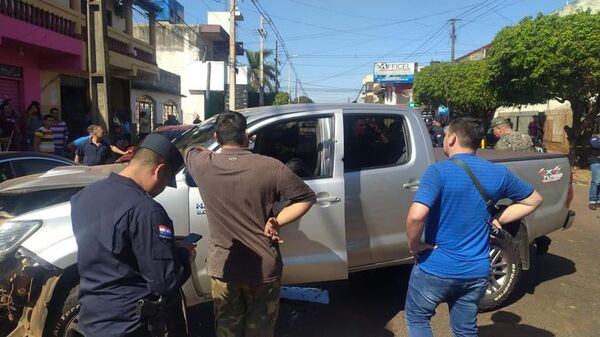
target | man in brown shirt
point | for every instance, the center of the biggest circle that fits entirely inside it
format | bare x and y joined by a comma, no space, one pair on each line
239,189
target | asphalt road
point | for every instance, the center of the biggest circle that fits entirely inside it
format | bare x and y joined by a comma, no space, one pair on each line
559,296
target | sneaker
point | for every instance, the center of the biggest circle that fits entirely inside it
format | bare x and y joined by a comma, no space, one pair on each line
593,207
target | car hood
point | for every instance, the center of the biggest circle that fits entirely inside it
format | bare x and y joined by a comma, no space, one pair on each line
60,177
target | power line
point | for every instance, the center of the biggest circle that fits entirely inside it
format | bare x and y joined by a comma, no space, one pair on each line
386,55
269,20
371,27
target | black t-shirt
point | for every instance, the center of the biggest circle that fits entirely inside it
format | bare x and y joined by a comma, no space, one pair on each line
91,154
126,252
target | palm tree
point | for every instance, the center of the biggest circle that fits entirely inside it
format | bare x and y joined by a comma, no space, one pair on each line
254,65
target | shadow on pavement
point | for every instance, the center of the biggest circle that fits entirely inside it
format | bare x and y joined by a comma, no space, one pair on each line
543,268
361,306
507,324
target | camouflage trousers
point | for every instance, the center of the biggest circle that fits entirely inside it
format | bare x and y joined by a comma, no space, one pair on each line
245,310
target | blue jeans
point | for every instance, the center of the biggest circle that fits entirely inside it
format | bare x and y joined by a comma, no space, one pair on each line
426,292
595,184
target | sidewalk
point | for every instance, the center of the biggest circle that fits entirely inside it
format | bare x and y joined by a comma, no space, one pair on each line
581,176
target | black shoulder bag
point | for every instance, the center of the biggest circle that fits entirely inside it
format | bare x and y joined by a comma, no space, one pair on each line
491,205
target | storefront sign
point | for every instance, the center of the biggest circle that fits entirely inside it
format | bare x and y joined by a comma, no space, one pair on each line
384,72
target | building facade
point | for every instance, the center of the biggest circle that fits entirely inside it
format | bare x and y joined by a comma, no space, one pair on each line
159,97
44,56
199,55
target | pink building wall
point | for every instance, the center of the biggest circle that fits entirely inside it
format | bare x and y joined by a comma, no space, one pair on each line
35,49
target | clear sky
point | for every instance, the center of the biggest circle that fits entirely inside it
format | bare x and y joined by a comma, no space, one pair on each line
334,43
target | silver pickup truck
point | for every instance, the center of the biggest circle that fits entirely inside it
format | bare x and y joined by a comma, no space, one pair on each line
364,163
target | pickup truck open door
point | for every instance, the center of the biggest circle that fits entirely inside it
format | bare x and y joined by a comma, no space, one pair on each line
314,248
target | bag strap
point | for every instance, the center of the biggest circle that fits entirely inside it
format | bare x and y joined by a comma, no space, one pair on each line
491,205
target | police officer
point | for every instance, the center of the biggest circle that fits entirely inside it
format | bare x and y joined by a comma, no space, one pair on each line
126,247
510,140
437,132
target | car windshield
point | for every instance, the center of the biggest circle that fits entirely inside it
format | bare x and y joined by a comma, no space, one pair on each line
23,201
201,135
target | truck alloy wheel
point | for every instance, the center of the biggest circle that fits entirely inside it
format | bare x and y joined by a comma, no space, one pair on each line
506,271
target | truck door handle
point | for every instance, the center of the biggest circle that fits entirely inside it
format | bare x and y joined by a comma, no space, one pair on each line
328,199
325,199
411,185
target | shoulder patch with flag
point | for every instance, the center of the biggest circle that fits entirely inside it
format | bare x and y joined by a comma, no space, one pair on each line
165,232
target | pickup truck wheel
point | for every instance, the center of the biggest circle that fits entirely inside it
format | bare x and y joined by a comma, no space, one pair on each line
67,324
506,271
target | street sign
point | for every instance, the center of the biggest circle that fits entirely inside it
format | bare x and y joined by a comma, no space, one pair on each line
412,104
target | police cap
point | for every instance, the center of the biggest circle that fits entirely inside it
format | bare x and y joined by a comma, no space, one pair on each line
164,148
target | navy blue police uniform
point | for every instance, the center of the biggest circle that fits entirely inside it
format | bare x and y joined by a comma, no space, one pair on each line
126,252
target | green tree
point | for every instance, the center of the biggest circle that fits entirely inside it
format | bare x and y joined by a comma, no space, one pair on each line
430,86
464,87
254,69
303,99
281,98
552,57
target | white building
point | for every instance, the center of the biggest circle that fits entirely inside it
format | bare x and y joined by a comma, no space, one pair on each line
199,54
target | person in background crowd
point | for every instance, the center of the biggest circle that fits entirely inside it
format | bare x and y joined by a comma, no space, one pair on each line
240,189
509,140
197,119
72,146
43,138
94,151
143,125
452,258
34,120
171,120
126,127
437,132
570,134
60,132
595,168
118,143
533,128
10,127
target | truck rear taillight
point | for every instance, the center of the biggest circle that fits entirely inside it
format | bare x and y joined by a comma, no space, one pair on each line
570,193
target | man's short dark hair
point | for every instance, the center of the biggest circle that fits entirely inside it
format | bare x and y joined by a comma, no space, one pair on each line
468,131
230,128
147,157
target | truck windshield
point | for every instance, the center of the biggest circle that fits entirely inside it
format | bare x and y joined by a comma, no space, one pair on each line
23,201
201,135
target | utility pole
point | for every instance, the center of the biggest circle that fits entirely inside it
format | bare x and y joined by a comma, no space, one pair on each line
453,37
276,66
289,81
261,90
98,63
232,52
296,92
